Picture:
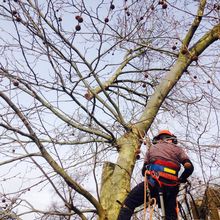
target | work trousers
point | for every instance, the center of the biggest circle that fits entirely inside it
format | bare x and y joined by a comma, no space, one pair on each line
136,198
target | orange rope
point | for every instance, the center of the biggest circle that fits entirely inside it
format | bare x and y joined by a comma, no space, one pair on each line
177,210
145,194
151,210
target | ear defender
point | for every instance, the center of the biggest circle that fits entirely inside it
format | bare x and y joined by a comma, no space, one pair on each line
154,140
175,139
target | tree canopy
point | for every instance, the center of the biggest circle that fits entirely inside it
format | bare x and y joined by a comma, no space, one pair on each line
86,84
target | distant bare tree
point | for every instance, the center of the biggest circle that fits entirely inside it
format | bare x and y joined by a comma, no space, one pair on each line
82,82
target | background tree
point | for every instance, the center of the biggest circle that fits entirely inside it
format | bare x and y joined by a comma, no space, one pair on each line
82,82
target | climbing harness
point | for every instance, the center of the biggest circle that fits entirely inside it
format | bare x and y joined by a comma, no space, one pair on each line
154,173
157,172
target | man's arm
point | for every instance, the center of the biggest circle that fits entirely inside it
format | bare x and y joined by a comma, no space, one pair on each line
188,170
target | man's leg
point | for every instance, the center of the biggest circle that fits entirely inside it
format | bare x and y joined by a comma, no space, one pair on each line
170,195
134,199
125,213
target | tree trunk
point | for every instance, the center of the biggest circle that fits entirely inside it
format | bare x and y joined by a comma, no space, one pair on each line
212,199
116,177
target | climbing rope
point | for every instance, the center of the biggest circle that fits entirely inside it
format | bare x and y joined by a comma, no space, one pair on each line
147,198
182,211
186,214
146,194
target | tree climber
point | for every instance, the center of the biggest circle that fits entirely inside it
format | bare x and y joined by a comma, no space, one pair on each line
162,163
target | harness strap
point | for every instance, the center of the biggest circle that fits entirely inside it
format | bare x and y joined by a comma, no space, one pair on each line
169,164
156,176
168,176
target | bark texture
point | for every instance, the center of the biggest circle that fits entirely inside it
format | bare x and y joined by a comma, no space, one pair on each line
116,177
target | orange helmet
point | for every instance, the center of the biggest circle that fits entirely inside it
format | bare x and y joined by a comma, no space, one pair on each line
166,132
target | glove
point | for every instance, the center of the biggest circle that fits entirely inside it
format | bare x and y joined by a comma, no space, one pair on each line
183,180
